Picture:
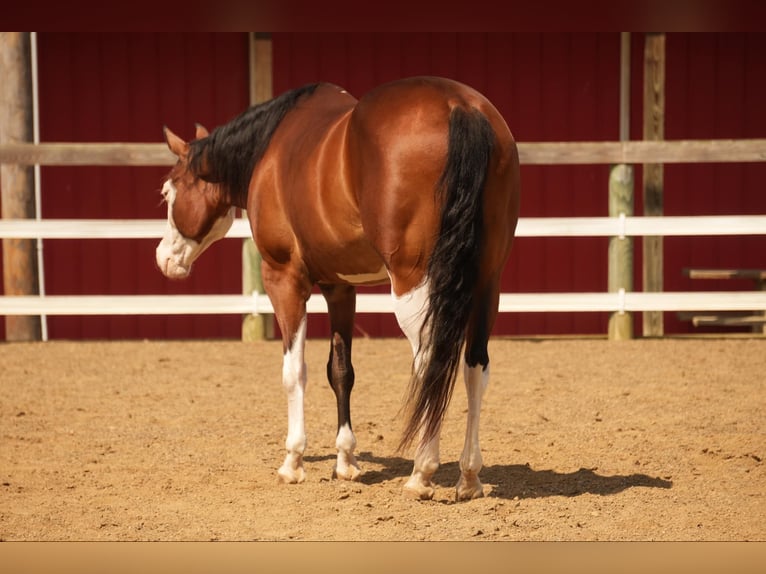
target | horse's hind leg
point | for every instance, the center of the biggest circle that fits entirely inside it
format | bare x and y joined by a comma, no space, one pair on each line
410,312
469,486
476,377
341,301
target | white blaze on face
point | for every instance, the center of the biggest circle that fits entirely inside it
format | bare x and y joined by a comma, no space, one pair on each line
176,253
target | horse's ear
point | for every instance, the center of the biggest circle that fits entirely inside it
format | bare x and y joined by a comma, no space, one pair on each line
201,131
176,144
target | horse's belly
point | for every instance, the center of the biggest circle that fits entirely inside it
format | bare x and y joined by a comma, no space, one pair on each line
379,277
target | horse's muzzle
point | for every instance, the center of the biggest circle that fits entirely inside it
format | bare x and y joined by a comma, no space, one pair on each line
168,265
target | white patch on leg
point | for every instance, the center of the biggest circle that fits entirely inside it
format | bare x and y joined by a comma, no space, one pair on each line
294,380
469,486
176,253
410,310
346,466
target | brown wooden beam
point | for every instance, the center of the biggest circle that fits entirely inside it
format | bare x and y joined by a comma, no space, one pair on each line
20,275
86,154
530,153
261,327
654,130
636,152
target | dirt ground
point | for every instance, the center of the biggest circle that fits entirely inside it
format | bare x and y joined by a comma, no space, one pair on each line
582,440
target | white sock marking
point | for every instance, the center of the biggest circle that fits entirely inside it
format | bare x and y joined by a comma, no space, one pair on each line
469,486
346,441
294,380
476,381
410,310
346,466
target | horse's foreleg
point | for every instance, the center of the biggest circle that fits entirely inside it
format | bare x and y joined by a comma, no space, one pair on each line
294,381
340,374
469,486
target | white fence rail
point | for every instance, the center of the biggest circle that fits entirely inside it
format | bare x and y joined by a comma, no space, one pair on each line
376,303
381,303
527,227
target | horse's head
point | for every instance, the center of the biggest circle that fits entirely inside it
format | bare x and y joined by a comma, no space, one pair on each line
198,210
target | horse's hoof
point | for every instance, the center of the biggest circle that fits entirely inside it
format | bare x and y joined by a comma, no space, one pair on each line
350,472
418,490
468,489
287,475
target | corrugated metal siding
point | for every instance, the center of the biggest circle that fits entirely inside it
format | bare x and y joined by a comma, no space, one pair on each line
548,87
715,88
124,87
565,87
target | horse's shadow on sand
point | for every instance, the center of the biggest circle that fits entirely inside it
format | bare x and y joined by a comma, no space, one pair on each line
512,481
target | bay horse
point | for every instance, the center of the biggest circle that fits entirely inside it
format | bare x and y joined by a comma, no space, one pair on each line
416,184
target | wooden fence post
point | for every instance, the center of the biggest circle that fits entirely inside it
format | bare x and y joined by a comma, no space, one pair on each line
654,129
256,328
620,258
20,276
620,249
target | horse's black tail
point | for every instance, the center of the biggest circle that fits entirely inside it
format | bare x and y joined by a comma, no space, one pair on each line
452,272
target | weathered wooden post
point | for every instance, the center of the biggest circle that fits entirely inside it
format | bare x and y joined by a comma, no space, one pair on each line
654,129
620,258
20,276
256,328
620,249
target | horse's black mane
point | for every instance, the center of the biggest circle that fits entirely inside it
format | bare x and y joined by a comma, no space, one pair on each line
231,151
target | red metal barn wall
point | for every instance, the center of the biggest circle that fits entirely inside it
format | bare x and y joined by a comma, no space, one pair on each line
565,87
549,87
124,88
715,88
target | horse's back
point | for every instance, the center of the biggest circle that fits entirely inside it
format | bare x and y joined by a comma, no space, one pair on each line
349,188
